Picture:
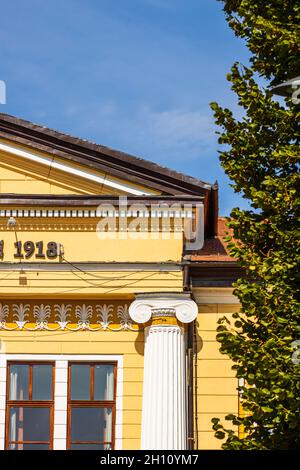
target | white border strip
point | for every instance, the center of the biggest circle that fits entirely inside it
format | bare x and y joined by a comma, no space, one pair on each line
60,396
73,171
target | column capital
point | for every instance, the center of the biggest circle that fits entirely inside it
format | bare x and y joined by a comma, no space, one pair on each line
176,305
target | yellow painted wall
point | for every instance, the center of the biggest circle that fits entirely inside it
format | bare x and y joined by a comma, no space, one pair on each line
81,244
126,343
29,182
40,283
84,245
216,393
216,384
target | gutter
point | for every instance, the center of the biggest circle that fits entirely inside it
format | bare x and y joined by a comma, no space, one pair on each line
190,366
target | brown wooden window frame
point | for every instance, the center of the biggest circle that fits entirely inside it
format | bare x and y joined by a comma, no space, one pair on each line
29,403
91,403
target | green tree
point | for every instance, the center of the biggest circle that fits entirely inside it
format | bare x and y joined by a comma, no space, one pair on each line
261,158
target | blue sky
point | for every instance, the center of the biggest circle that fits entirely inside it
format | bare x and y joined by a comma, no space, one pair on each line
135,75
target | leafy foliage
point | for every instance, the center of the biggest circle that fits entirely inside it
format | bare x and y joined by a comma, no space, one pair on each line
262,160
271,29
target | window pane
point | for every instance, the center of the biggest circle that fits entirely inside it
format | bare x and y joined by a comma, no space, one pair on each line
42,382
19,382
29,447
29,424
80,382
91,424
36,446
90,447
104,382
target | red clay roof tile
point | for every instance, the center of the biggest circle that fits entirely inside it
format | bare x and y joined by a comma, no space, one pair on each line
215,249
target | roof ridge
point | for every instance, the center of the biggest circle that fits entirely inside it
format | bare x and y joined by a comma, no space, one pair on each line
87,144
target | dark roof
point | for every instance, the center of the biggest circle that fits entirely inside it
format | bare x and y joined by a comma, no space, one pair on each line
69,200
212,266
113,162
119,164
215,248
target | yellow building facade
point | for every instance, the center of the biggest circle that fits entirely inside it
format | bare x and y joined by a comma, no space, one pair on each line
113,277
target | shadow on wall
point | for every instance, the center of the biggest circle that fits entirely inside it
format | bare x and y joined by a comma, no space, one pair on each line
199,340
140,343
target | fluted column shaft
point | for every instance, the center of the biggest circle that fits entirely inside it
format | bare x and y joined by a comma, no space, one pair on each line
164,394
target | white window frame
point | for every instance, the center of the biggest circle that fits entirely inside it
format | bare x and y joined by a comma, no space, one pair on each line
61,392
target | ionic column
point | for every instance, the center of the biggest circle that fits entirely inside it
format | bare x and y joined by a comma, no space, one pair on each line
164,415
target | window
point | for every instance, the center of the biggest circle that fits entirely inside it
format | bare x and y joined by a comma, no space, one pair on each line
91,406
30,404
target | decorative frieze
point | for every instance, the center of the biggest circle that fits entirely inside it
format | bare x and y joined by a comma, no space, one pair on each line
65,316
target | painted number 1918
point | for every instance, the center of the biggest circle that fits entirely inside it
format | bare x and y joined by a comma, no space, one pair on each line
29,248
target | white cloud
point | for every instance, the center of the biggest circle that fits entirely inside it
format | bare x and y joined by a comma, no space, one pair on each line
180,126
164,136
175,134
